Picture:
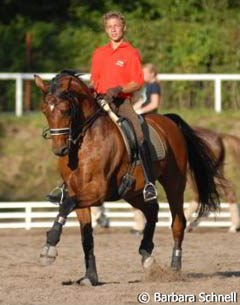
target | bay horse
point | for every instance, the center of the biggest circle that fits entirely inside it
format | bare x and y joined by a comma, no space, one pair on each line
220,144
93,160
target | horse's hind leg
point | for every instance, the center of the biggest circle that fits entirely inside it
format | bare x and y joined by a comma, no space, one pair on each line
228,191
176,201
150,211
49,251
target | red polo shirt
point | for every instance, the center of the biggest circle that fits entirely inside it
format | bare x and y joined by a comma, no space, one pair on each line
116,67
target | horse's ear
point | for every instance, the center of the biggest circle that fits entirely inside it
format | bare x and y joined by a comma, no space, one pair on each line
66,85
41,84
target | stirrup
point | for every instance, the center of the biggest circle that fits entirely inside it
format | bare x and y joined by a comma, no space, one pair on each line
59,197
149,196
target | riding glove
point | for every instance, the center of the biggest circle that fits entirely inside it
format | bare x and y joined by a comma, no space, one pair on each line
112,93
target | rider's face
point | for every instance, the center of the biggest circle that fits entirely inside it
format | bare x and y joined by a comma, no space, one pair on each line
148,75
115,29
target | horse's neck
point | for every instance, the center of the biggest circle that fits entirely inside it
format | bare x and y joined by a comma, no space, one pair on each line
88,107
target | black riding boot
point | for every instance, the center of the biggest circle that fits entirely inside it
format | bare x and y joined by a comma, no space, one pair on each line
149,191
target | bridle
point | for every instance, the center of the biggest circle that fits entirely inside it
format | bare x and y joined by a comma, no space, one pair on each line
59,131
76,131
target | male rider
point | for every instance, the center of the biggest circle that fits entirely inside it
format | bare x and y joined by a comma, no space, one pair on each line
116,73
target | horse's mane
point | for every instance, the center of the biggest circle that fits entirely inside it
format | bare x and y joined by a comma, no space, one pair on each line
69,72
74,73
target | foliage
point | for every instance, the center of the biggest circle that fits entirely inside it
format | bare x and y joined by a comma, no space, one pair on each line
178,36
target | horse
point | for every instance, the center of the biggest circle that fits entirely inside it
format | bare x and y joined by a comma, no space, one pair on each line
220,144
93,159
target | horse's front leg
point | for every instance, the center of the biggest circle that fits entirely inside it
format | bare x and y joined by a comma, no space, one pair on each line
90,277
49,251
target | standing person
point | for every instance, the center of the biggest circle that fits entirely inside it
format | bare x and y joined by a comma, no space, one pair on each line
150,101
116,73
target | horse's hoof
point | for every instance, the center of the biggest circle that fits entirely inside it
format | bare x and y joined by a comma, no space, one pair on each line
176,269
46,261
176,266
148,262
48,255
234,229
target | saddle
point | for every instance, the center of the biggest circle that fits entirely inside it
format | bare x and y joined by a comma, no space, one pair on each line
154,141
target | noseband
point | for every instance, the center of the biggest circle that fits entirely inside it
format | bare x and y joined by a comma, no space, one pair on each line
59,131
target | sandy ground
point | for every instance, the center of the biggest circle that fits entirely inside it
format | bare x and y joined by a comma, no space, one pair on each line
211,263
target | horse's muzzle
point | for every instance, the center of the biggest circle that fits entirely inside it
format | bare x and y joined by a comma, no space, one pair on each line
61,152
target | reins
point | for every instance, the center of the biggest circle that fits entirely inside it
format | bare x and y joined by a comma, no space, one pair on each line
83,128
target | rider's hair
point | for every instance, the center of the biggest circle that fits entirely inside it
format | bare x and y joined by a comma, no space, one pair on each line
113,14
151,68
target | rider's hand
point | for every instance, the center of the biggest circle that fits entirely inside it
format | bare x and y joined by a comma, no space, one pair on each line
138,111
112,93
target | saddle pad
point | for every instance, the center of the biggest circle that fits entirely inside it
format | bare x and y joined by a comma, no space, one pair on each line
155,143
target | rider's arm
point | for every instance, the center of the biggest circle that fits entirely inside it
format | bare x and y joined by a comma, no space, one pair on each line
138,104
153,105
131,87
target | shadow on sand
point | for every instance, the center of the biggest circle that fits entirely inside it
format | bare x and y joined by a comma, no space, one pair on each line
183,277
224,274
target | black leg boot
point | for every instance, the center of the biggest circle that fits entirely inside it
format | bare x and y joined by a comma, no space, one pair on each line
149,191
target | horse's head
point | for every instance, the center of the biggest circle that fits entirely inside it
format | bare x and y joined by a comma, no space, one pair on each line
67,103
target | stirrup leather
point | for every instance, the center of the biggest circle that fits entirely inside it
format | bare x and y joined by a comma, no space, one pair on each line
145,192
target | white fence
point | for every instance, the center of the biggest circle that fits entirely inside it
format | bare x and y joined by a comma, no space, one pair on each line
216,78
41,215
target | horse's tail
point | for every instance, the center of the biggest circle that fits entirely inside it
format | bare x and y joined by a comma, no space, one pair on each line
232,144
202,165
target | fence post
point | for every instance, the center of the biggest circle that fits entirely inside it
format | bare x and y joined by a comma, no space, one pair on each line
28,218
19,96
218,95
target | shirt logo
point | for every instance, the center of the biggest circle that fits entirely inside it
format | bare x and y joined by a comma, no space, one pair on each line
120,63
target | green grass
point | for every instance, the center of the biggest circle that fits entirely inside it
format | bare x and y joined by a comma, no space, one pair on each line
28,168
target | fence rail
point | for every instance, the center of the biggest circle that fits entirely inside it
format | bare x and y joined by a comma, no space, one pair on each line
216,78
30,215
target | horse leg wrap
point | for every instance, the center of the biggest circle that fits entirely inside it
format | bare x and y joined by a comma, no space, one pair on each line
68,205
146,247
176,263
91,272
53,235
147,244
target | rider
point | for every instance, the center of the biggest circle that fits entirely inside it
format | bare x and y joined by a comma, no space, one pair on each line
116,73
150,100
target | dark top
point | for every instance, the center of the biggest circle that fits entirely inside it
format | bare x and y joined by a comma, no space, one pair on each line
151,88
